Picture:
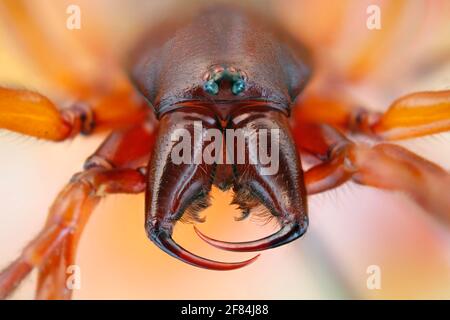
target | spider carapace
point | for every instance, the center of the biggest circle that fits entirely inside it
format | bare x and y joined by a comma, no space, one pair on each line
226,69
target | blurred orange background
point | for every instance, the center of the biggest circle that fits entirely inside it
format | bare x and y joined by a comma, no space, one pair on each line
351,228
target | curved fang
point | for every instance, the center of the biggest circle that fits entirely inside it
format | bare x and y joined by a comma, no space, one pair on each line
164,241
286,234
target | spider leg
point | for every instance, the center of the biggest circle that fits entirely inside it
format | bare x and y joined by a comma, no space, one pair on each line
383,166
74,62
113,168
30,34
79,67
414,115
33,114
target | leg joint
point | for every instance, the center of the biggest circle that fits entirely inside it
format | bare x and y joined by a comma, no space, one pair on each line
81,116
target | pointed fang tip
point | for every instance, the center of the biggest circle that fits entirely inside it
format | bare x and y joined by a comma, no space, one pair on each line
168,245
286,234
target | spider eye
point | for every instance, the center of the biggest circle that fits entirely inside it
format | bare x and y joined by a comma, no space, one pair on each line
238,87
211,87
215,77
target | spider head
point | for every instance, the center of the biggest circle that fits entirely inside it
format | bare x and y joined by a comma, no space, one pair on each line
253,154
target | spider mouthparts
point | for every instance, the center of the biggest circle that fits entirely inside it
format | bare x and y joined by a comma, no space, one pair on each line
286,234
164,240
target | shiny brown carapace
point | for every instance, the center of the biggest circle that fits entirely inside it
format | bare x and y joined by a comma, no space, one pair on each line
228,69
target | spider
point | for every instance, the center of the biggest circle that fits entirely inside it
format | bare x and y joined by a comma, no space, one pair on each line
226,68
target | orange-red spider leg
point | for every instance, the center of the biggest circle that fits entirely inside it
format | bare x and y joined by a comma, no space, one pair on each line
383,166
33,114
114,168
74,62
107,98
66,220
413,115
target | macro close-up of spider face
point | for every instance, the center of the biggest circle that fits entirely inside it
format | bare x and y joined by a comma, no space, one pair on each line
213,132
